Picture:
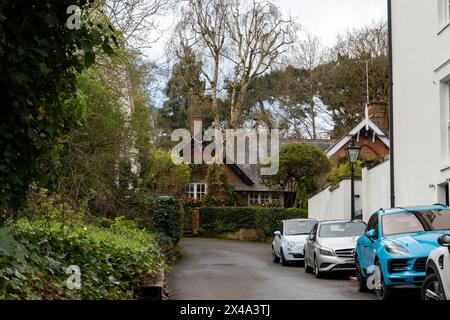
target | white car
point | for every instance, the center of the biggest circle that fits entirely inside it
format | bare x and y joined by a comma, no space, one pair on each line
290,238
437,283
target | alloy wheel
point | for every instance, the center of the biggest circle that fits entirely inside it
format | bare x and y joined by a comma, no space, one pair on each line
433,291
316,268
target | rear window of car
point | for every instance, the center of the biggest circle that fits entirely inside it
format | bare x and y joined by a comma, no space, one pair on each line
342,229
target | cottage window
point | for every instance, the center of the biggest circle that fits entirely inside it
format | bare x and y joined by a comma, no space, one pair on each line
253,197
275,197
196,190
265,198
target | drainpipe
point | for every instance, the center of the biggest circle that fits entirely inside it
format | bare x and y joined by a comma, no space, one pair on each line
391,106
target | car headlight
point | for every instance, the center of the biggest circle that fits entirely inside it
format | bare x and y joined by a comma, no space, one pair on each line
291,244
326,252
395,248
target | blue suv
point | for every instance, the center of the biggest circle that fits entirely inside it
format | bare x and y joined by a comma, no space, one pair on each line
394,250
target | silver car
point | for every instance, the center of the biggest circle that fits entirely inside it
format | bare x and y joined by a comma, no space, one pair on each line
330,247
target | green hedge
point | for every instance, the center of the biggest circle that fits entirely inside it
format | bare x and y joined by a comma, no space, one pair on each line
167,215
230,219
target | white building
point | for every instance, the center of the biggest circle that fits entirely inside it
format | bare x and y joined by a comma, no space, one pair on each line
421,100
334,202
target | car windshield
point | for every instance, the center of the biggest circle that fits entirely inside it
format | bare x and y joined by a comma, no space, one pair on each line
297,227
342,229
415,221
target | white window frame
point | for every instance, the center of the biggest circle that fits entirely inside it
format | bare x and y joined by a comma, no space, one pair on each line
444,16
196,192
448,115
257,197
447,11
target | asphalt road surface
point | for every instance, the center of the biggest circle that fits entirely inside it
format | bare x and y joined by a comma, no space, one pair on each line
239,270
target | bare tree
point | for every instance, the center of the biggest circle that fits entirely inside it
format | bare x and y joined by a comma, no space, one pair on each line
258,36
137,20
203,26
307,55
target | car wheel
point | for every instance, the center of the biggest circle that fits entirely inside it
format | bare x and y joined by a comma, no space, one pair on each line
275,259
361,280
308,269
383,291
282,259
317,272
432,288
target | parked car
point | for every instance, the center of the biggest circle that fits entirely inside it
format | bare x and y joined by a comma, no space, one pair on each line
289,241
331,246
437,283
394,250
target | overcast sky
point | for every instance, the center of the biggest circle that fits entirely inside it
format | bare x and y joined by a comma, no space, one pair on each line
323,18
327,18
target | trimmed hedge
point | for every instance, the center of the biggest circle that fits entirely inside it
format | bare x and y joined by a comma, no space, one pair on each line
167,217
231,219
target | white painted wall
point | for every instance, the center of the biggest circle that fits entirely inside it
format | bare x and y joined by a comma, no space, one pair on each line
421,68
334,203
375,189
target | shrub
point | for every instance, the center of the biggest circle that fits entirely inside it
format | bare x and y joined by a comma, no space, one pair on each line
223,219
114,261
167,215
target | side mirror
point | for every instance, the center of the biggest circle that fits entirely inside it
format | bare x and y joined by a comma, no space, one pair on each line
444,241
277,233
371,234
311,237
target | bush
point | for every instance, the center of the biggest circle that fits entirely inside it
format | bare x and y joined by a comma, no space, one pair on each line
223,219
167,217
113,261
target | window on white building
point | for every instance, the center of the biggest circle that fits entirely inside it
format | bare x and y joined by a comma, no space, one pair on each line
196,190
448,105
444,14
447,13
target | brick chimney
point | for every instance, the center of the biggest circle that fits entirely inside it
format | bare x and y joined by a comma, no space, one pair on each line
378,114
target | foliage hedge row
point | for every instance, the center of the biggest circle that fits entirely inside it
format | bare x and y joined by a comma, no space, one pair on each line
230,219
168,217
113,260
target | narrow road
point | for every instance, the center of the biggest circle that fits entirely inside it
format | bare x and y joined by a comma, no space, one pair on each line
226,269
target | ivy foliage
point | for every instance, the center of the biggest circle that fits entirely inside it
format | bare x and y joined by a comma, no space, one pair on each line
40,59
114,257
